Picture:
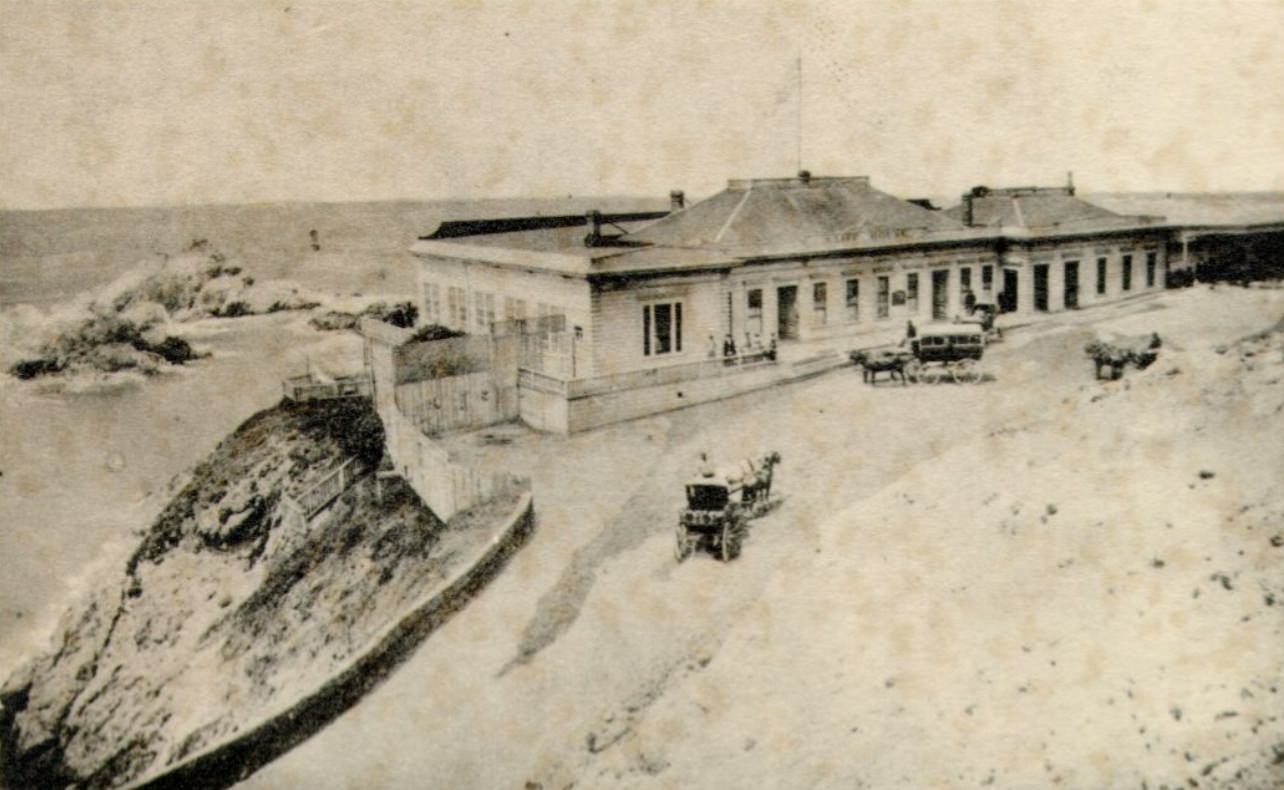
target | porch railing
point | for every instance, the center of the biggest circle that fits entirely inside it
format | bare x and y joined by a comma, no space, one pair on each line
307,388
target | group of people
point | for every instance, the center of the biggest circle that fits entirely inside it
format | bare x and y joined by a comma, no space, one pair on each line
753,345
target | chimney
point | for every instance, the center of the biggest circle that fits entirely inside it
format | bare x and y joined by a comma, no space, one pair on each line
1070,183
804,176
969,217
593,219
677,200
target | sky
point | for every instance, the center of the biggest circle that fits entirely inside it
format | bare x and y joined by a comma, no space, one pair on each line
114,103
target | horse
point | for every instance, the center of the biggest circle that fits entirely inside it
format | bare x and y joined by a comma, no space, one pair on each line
1116,358
756,482
1105,355
872,363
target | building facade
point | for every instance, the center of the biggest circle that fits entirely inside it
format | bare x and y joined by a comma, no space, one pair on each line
763,263
1059,252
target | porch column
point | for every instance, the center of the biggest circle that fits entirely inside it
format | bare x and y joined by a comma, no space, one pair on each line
1025,289
1057,285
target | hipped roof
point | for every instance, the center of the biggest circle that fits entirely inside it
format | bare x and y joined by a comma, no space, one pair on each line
1042,210
796,211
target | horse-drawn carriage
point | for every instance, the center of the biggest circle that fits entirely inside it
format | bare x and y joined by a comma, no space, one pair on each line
719,506
937,352
985,316
1111,357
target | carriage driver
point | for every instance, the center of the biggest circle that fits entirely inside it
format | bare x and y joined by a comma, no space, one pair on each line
911,337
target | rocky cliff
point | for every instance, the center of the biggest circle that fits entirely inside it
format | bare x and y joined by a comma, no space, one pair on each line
232,605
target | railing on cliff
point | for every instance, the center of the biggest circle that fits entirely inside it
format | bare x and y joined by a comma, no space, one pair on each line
326,490
310,388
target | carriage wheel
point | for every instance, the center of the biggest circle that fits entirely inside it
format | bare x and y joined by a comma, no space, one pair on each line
729,546
682,548
931,374
913,371
966,371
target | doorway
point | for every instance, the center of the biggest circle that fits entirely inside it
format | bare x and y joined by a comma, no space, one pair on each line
787,312
1041,287
940,294
1072,285
1008,296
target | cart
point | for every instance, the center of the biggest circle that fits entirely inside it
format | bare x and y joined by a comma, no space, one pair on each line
720,505
947,351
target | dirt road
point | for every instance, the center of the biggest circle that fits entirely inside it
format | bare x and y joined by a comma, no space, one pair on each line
562,656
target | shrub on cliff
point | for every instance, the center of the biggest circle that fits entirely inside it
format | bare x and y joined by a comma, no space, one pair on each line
434,332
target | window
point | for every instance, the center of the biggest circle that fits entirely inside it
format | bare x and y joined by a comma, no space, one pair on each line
457,304
1127,273
911,292
484,309
884,294
819,303
987,279
753,312
966,297
514,309
662,328
853,300
1101,276
1151,260
432,303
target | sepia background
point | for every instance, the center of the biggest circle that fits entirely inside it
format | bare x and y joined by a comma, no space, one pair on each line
870,635
143,103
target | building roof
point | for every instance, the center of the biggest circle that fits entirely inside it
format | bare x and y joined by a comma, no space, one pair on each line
1232,209
750,219
562,237
1041,211
783,212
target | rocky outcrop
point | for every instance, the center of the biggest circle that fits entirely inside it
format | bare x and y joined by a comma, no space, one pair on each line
231,604
127,325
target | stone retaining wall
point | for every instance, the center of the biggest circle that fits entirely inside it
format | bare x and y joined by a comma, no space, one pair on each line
231,761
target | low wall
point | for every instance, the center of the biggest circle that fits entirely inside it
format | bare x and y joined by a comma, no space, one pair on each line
233,760
564,407
542,402
592,411
443,484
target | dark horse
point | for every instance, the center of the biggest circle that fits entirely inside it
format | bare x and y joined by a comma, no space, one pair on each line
872,363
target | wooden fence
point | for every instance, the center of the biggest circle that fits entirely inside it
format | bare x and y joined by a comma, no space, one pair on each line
462,402
445,484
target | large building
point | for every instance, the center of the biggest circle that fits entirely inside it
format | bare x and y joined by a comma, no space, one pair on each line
1059,252
764,261
622,315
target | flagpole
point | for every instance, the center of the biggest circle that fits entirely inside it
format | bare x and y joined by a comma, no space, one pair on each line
799,114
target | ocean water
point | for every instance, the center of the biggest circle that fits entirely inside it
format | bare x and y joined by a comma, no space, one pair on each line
86,465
